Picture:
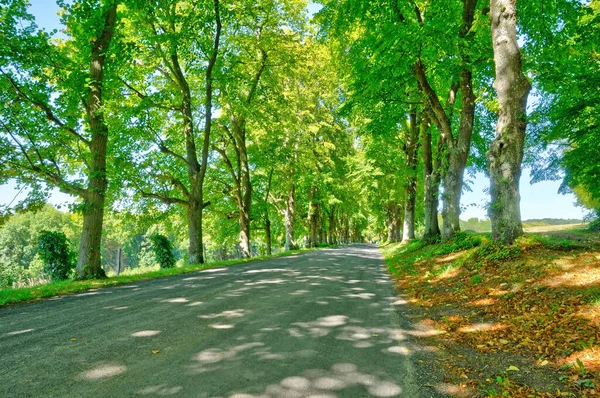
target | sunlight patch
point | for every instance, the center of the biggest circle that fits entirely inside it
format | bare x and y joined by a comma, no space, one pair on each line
177,300
454,390
385,389
399,350
221,326
483,302
482,327
162,389
145,333
296,383
103,372
19,332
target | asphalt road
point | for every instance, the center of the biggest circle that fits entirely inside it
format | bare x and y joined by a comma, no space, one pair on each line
323,324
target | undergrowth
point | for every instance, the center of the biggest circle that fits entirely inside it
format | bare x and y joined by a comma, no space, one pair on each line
538,299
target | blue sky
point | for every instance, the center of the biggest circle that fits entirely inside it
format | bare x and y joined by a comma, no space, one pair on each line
540,200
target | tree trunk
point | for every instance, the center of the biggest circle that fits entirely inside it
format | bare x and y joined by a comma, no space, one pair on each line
331,230
431,181
289,219
392,220
268,235
244,233
194,216
506,151
399,224
267,219
312,219
118,262
410,189
89,264
457,148
346,229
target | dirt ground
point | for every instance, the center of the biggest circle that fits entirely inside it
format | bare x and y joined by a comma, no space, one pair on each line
521,321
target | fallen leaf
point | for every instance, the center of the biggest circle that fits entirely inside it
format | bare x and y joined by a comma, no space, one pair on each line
502,341
544,363
155,351
73,339
513,368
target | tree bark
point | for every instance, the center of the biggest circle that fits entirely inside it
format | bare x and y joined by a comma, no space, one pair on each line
244,185
457,148
410,188
331,229
392,221
289,219
312,219
267,219
268,236
431,181
89,264
505,154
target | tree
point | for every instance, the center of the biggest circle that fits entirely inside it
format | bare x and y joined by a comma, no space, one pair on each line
565,127
52,114
260,54
506,152
164,78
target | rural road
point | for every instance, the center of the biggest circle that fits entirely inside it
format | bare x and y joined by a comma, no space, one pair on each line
322,324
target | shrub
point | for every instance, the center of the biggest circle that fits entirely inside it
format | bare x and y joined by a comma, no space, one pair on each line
163,250
595,225
460,241
55,253
492,253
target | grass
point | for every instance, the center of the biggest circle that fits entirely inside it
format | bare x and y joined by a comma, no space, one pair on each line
537,301
59,288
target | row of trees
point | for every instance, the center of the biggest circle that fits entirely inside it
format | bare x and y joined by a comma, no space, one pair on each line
175,106
245,118
446,81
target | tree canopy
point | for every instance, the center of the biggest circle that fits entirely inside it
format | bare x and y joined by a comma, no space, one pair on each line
242,128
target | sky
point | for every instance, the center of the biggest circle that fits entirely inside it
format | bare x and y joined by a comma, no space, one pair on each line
540,200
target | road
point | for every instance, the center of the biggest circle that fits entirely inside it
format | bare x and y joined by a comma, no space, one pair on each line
322,324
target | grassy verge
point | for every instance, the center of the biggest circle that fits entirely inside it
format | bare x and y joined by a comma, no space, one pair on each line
519,321
12,296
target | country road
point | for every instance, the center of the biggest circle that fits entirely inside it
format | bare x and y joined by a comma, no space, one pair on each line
323,324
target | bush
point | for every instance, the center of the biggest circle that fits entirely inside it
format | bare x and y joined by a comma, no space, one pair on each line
55,253
460,241
595,225
163,250
492,254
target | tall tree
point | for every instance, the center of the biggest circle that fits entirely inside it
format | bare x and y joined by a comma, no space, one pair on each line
457,146
47,89
170,37
263,49
506,152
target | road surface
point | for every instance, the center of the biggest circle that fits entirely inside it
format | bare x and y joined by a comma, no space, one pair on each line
323,324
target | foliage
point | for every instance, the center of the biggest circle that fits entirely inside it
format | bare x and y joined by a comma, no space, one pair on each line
163,250
460,241
54,251
531,301
491,254
19,242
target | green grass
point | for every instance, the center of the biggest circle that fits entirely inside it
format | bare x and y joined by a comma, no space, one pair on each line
59,288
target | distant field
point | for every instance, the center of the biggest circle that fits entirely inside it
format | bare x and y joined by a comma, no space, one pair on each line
551,228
